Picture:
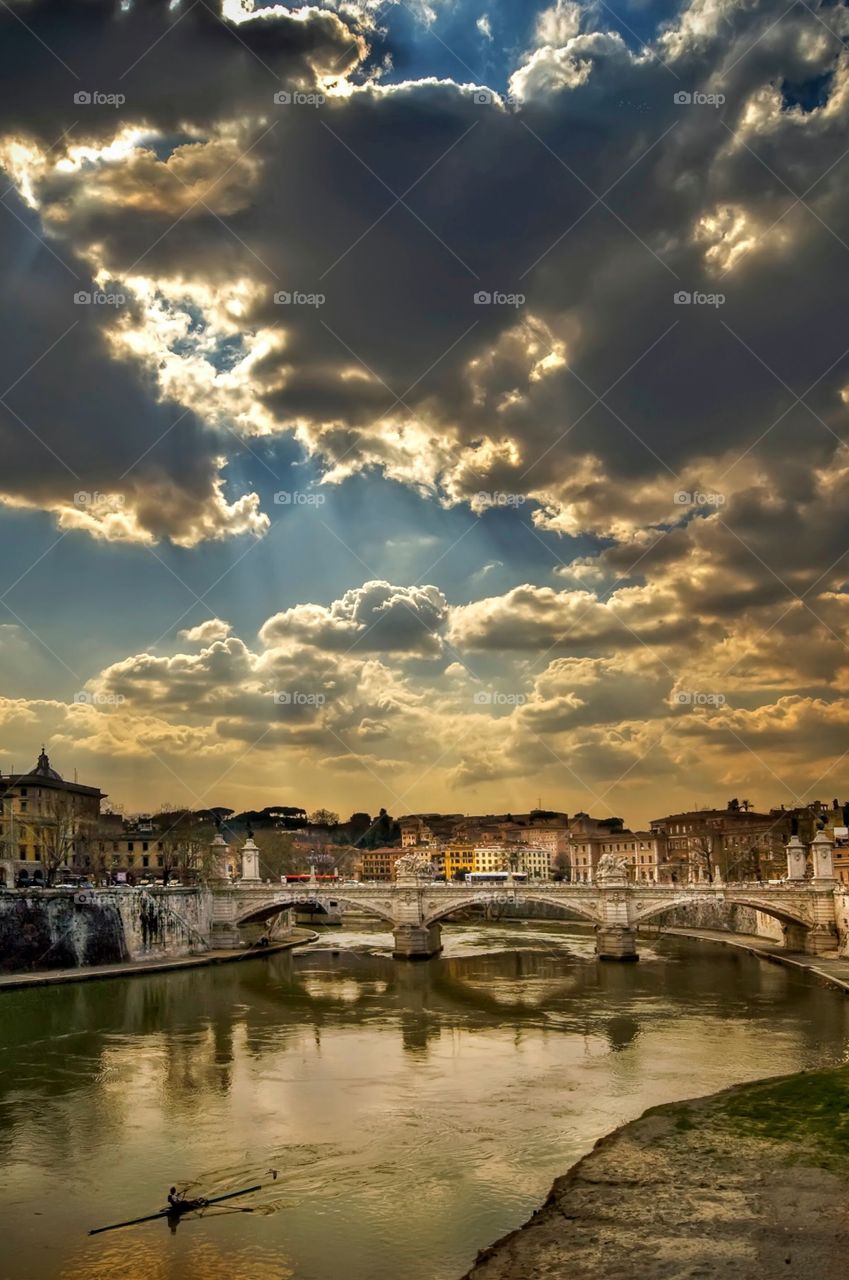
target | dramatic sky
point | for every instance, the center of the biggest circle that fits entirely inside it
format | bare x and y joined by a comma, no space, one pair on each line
438,404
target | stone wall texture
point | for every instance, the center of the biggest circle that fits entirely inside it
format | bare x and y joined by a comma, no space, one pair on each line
60,929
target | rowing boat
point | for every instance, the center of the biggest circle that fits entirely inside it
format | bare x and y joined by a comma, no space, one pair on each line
187,1206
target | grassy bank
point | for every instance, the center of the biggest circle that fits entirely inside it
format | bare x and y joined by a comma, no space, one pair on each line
749,1183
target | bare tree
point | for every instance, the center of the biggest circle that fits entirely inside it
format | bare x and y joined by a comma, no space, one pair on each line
59,830
701,854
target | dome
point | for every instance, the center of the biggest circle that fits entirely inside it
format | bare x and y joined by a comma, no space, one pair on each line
43,770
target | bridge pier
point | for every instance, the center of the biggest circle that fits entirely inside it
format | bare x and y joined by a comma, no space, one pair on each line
616,942
417,941
795,938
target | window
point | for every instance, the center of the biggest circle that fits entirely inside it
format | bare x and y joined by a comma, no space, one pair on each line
23,791
23,806
37,853
145,861
22,853
144,847
129,846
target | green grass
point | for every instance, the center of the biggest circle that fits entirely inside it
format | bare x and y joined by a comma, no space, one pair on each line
809,1111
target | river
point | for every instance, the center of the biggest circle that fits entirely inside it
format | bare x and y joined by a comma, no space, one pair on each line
414,1112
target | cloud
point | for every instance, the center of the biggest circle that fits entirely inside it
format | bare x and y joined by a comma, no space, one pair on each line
376,617
206,632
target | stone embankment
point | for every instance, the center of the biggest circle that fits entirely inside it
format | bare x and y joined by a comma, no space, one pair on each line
135,968
61,928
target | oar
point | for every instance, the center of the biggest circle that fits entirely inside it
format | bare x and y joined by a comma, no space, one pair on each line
163,1213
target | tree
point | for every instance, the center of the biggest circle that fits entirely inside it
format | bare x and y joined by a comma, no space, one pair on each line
324,818
562,866
701,854
185,850
58,832
276,854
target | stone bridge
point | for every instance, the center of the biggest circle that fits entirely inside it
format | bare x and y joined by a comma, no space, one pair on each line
414,907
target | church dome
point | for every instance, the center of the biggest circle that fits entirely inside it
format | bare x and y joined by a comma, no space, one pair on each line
43,770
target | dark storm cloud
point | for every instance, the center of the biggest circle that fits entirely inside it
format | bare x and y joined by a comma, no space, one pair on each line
182,63
78,428
498,200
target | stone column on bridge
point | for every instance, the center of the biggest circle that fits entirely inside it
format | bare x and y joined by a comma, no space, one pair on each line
823,936
225,932
220,861
250,862
414,938
796,859
821,857
615,938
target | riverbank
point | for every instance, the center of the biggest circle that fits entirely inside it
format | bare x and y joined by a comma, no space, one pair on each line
133,968
830,968
747,1183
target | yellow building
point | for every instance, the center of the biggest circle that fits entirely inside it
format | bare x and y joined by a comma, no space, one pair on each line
46,824
458,858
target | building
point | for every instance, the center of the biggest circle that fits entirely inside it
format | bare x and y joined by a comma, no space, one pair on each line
47,824
458,858
592,838
734,843
379,864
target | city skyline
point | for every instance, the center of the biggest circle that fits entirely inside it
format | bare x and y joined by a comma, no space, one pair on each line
430,406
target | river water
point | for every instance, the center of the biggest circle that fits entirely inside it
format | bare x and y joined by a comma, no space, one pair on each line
415,1112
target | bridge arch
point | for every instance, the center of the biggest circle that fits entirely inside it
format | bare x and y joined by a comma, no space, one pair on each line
779,911
585,911
255,914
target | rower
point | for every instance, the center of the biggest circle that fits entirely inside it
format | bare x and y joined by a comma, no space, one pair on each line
175,1198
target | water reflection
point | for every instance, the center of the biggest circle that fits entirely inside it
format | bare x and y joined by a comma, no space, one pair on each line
415,1112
